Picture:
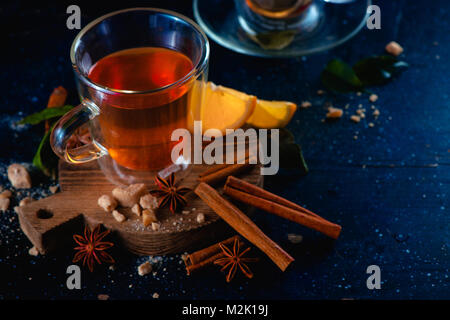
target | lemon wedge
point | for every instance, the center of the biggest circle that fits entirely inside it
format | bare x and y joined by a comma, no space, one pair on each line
272,114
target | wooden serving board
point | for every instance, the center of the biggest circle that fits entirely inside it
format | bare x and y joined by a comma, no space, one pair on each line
49,223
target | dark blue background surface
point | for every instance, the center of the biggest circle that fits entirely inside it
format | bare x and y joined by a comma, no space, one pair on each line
389,189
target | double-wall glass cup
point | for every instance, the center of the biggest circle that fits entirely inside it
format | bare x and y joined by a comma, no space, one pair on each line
131,129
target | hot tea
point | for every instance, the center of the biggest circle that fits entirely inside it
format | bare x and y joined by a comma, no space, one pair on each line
136,128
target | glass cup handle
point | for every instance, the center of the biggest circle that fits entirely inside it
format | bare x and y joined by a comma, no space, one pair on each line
66,126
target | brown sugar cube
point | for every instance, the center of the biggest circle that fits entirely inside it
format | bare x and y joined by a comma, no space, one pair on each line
25,201
4,204
137,210
107,203
148,202
18,176
118,216
145,268
148,216
129,196
394,48
334,113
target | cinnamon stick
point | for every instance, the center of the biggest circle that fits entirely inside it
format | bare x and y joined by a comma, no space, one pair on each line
206,256
191,268
243,225
205,253
221,174
257,197
243,185
56,99
212,169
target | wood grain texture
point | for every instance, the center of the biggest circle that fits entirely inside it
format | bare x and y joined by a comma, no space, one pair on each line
82,185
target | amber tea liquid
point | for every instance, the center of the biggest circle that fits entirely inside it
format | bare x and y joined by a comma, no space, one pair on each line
136,128
278,9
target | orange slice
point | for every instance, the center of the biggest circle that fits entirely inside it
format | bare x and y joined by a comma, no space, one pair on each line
272,114
224,108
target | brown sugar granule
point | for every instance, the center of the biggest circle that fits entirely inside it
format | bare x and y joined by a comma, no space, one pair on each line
53,189
361,113
25,201
145,268
6,194
33,251
200,218
305,104
137,210
394,48
295,238
107,202
334,113
148,216
355,118
19,176
118,216
4,204
373,97
148,202
155,226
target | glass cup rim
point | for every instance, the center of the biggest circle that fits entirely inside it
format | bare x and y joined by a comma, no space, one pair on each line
196,70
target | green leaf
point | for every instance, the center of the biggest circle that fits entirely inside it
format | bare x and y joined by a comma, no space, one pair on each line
45,114
276,40
45,159
291,155
338,76
378,70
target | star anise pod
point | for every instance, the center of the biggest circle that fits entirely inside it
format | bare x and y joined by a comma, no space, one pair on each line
234,260
91,249
169,194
